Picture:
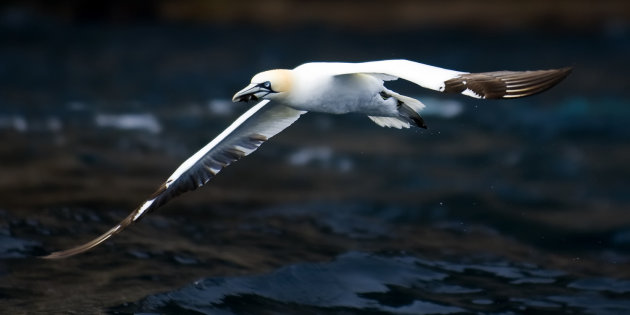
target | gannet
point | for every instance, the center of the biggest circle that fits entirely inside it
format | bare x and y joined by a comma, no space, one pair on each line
327,87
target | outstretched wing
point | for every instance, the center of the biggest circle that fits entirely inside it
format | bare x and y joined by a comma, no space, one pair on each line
244,136
486,85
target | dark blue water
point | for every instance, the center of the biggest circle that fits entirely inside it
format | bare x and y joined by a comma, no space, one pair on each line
396,283
501,207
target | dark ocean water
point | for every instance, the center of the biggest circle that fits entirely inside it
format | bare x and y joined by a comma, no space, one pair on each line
500,207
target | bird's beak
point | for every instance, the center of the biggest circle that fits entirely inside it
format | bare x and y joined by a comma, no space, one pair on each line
251,93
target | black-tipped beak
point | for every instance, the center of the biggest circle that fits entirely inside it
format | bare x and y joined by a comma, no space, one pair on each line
251,93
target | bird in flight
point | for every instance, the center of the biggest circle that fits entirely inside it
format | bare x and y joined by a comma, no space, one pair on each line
327,87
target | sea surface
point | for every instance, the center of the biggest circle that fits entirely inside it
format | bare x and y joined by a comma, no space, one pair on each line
500,207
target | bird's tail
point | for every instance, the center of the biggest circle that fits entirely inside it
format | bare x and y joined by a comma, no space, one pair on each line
408,108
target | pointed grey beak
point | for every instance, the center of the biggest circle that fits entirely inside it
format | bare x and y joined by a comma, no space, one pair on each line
252,92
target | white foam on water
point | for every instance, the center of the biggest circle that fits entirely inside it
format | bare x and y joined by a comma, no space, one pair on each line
15,122
146,122
221,107
444,108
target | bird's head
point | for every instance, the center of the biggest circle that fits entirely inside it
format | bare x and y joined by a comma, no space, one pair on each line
271,84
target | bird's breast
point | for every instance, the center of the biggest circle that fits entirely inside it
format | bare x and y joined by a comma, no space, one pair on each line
343,94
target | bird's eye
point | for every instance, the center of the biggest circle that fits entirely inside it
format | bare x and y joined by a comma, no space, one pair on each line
267,84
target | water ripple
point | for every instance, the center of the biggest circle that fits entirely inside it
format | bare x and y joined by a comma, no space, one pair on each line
397,284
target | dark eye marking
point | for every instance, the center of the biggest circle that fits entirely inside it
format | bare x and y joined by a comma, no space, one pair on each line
266,85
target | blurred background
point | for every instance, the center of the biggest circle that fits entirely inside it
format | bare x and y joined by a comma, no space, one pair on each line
500,206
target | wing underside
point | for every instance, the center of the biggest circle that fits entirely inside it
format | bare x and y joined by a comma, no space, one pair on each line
244,136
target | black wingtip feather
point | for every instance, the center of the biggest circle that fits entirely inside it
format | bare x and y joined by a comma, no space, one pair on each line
506,84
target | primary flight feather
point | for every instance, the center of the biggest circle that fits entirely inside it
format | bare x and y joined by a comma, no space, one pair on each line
328,87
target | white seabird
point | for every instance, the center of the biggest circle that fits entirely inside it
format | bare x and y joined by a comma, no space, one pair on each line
327,87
